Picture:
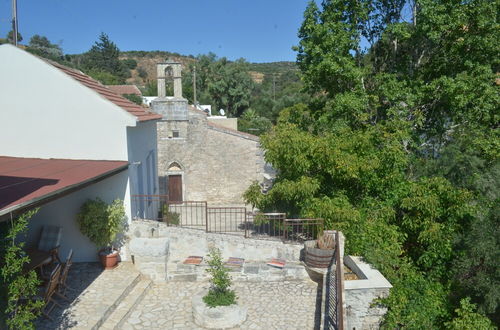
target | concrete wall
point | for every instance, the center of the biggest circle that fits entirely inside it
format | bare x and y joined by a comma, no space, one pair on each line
217,165
46,114
62,212
361,313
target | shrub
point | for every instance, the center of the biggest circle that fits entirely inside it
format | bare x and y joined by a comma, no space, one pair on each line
171,218
101,222
134,98
219,293
18,309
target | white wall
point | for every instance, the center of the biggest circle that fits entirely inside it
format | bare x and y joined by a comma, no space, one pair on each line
62,212
46,114
143,158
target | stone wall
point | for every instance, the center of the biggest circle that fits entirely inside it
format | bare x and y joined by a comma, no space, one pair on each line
148,240
361,312
217,164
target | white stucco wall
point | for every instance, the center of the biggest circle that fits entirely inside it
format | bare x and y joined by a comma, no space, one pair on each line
62,212
44,113
143,158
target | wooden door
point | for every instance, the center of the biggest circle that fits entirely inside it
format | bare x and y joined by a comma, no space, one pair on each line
175,188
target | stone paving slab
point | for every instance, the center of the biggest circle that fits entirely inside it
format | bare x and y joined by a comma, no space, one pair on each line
271,305
95,294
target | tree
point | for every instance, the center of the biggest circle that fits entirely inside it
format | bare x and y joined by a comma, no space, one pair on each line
10,36
361,152
41,46
104,57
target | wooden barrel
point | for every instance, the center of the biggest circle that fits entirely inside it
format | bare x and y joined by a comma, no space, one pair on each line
315,257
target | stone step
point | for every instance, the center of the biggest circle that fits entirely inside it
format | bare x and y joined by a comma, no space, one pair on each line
111,308
126,306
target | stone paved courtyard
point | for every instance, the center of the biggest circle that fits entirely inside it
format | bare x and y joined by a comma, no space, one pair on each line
271,305
122,299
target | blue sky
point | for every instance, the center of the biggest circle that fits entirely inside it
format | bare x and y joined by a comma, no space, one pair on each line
258,30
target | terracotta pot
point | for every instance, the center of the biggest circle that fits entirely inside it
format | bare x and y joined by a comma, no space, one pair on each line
109,261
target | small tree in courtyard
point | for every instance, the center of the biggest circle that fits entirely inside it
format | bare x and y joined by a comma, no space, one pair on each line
219,293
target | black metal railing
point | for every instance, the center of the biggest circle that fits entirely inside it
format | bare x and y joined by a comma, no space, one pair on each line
230,220
334,297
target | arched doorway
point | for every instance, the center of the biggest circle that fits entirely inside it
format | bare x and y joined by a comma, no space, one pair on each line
175,176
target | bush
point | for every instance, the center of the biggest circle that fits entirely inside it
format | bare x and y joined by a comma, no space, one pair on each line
171,218
134,98
101,222
219,293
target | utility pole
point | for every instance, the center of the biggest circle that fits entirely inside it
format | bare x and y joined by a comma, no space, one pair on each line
14,21
194,86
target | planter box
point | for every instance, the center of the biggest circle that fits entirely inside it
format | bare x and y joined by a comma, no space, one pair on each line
221,317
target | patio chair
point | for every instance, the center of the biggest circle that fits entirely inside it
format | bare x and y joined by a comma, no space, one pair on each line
50,290
48,244
64,274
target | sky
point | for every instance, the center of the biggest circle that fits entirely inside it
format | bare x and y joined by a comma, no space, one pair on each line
257,30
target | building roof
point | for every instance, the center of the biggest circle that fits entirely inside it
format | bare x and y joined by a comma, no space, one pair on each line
139,112
231,131
29,182
125,89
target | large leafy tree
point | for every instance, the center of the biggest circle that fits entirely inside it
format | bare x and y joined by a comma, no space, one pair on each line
398,147
102,62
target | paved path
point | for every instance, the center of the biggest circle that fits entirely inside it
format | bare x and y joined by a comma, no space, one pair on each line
271,305
94,292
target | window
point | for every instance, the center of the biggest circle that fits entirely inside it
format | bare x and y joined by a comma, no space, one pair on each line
175,134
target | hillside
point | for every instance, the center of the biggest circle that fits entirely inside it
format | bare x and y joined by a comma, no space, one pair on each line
146,65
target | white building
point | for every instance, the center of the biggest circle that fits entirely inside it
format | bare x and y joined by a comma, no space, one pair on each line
51,114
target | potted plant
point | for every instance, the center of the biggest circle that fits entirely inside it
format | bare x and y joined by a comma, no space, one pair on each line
101,222
319,253
217,308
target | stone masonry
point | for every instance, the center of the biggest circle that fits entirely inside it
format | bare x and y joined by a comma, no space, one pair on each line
216,163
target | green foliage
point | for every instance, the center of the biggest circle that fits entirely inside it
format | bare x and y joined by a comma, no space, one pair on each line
102,61
467,318
17,289
101,222
398,148
10,36
172,218
41,46
142,72
252,123
105,77
129,63
134,98
219,293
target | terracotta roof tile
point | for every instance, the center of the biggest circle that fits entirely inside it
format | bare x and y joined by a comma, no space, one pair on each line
139,112
125,89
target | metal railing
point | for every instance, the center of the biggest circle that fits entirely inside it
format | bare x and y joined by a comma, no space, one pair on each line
229,220
334,298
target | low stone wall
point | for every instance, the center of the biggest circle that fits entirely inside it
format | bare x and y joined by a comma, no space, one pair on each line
184,242
150,256
359,295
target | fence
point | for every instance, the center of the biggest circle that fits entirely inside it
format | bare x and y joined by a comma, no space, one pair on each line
334,302
229,220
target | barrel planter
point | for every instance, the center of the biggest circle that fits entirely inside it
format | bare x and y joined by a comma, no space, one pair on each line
315,257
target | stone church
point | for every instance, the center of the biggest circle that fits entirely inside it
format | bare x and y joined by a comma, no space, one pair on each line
200,159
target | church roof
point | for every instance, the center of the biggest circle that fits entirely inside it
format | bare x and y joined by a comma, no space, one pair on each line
125,89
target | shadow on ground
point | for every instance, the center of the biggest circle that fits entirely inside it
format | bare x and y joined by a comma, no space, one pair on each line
80,276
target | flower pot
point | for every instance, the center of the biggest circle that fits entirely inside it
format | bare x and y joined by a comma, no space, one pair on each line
315,257
109,260
220,317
